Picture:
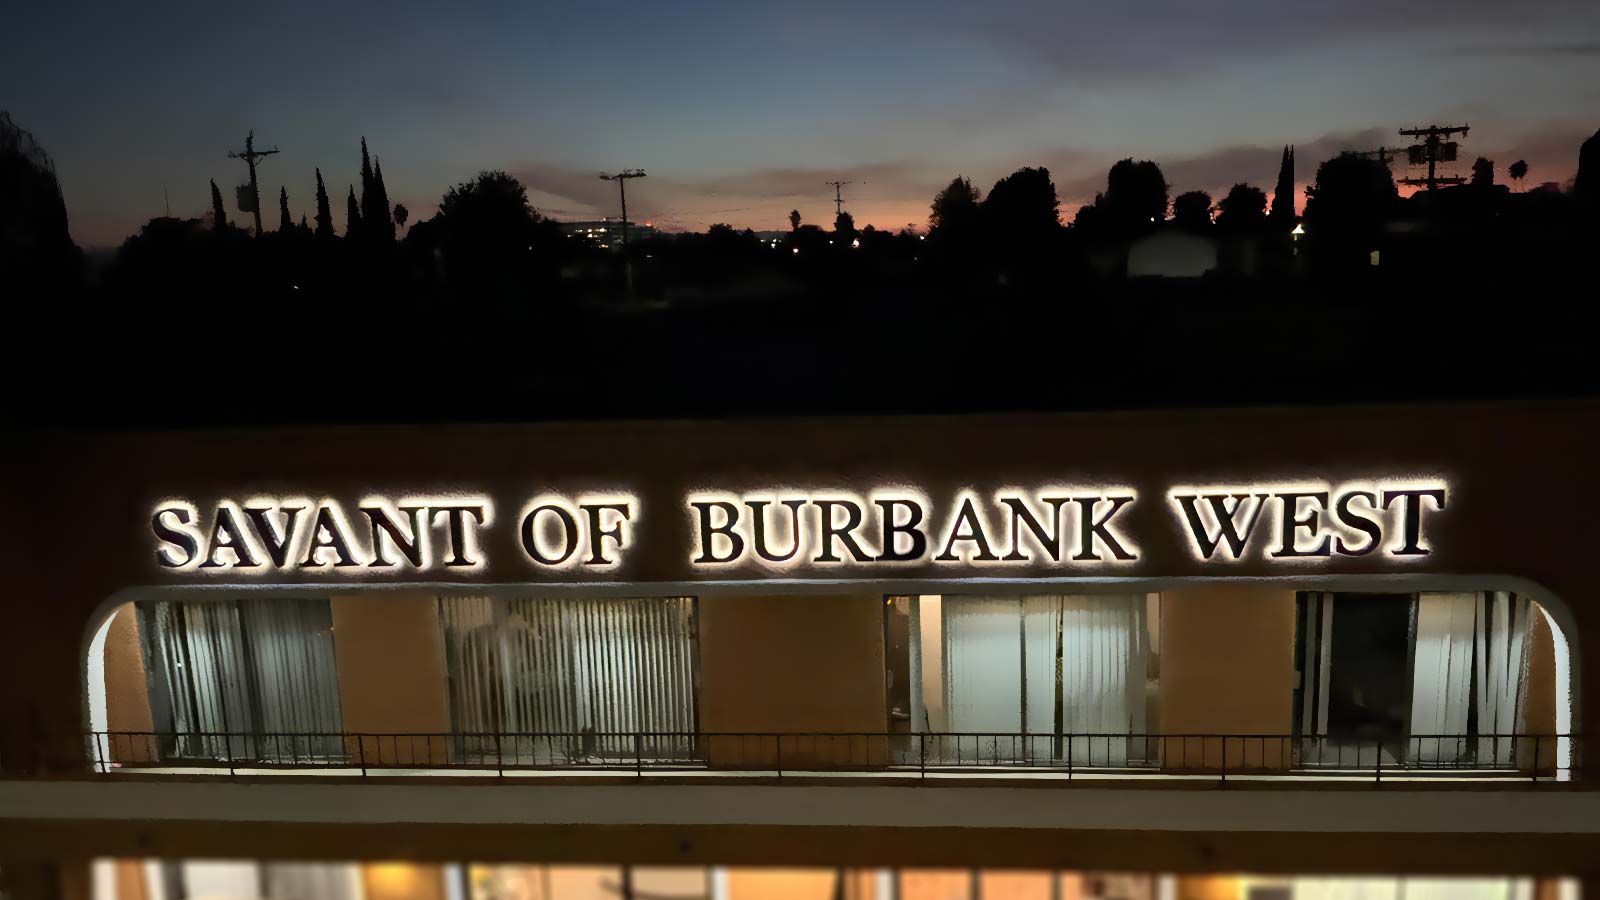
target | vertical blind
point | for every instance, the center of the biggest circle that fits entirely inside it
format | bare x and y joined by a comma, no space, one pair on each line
560,679
244,679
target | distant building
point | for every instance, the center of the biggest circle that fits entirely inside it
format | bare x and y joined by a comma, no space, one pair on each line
608,231
1171,253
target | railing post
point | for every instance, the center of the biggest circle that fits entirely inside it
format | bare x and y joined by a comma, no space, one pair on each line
361,753
1070,742
499,757
778,738
1377,762
1535,767
922,754
638,754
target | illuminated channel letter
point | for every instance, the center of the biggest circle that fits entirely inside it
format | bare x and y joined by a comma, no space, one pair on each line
967,528
709,532
384,526
758,529
1100,528
832,531
1351,519
557,532
891,531
1291,523
1411,517
182,537
1314,521
1226,517
329,531
274,542
1049,540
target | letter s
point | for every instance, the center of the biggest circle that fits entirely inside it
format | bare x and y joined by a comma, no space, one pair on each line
173,537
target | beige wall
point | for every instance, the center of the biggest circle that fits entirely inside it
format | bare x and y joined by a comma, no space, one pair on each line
127,688
1227,667
793,664
1539,704
390,653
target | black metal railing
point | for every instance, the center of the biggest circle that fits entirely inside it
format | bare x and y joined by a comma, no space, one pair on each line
1530,757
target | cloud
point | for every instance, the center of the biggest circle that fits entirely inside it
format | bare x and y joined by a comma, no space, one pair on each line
1578,49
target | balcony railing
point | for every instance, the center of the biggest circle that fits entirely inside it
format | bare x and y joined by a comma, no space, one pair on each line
1529,757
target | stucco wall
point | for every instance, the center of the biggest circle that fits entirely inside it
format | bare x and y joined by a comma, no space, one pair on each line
793,664
1227,667
390,654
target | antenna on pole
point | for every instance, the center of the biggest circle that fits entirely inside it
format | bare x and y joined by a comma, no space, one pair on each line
1433,150
251,156
838,196
622,178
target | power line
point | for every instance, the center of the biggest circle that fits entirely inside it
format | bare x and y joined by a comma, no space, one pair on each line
838,196
251,156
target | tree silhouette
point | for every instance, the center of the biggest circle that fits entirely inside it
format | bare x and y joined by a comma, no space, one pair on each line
1242,210
1483,172
384,227
1136,195
844,226
956,206
1192,211
352,215
1023,205
401,214
492,239
1518,171
1586,185
36,247
794,220
1347,206
324,214
285,223
219,213
1283,194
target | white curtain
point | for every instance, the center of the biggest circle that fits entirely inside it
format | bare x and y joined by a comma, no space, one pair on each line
1502,672
1442,676
1469,645
1102,675
982,675
1001,675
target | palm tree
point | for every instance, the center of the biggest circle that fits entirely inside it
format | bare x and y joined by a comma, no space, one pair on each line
1518,171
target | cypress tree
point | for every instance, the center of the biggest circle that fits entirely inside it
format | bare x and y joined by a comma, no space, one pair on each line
369,192
285,224
219,215
352,215
324,215
1283,194
383,225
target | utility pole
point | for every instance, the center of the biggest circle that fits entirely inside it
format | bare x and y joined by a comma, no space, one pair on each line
621,178
251,156
838,197
1433,150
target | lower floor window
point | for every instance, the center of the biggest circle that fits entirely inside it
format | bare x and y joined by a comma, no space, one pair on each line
540,680
250,679
1430,678
1038,677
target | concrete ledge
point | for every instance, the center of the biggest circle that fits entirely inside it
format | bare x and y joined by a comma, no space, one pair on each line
1390,810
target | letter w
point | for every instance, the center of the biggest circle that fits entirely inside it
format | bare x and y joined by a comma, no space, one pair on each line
1227,521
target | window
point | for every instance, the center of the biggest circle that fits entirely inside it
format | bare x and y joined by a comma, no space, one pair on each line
1429,678
537,681
243,679
1030,678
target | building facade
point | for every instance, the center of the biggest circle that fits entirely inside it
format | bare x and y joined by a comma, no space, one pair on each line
905,657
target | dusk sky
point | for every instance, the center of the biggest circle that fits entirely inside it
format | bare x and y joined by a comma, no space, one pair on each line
740,111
